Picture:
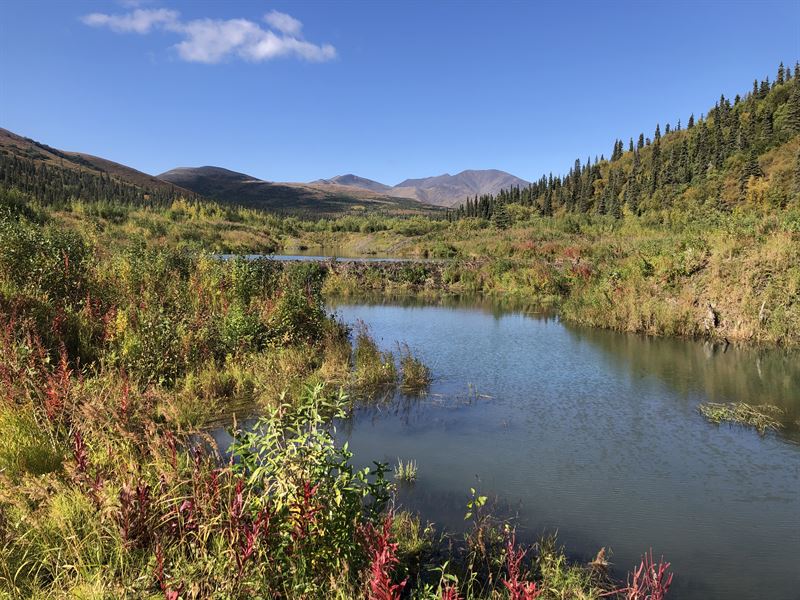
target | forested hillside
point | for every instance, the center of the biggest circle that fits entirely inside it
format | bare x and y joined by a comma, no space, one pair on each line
744,150
56,177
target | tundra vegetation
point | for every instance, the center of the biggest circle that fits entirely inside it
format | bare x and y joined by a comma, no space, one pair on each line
114,357
122,335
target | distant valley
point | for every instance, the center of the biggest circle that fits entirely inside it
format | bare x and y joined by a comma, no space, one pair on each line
336,195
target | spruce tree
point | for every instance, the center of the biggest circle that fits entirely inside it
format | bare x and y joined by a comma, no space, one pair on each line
547,207
500,216
764,89
690,124
781,72
793,109
751,167
656,166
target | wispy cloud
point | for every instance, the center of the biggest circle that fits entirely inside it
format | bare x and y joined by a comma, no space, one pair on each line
283,22
138,21
211,41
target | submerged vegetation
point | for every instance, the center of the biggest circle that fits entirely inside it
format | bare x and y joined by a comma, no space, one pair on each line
762,418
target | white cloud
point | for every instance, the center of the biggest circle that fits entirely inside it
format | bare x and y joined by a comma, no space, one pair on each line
138,21
283,22
211,41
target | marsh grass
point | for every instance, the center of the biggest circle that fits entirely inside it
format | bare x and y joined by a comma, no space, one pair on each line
374,369
415,375
762,418
405,471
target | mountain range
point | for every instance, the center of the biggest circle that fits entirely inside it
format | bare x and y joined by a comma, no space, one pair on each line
441,190
336,195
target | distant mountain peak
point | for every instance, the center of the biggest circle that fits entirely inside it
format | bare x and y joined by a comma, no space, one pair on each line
452,190
352,180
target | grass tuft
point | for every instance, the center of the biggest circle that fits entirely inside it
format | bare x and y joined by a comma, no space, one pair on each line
374,369
416,376
406,471
761,418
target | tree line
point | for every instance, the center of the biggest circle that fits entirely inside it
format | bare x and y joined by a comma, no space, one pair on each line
55,185
653,170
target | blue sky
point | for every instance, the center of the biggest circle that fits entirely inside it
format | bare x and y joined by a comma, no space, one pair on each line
294,91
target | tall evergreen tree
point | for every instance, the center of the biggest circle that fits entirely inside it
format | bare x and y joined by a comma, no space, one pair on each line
751,167
656,166
500,217
547,205
793,109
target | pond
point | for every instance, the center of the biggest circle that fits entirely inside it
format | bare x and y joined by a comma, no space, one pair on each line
596,435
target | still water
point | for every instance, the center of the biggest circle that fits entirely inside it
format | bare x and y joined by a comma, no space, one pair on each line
596,435
326,255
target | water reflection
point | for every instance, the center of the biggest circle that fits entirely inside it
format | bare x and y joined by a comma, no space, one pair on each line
713,372
595,434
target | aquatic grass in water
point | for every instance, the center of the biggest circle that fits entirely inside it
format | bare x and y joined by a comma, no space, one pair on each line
373,369
406,471
762,418
415,375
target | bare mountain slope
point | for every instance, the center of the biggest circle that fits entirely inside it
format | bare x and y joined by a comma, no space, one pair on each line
452,190
442,190
356,181
322,197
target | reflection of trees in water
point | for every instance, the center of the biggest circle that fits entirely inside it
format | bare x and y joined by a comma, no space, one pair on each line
408,409
722,374
497,306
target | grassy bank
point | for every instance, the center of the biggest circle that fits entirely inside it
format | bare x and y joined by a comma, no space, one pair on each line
724,276
691,271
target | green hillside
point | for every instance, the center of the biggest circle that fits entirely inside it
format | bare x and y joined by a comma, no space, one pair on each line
744,150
